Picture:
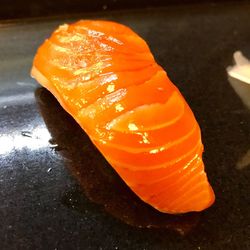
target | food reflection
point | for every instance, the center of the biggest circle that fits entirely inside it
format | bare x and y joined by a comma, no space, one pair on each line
98,180
244,161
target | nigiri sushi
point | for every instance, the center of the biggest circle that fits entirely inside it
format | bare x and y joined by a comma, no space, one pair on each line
104,75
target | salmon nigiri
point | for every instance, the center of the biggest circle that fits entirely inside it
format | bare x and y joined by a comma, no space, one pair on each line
104,75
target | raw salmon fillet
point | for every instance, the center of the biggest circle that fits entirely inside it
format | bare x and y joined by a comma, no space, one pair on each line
105,76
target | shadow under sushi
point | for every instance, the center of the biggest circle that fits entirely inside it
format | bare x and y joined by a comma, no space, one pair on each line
98,180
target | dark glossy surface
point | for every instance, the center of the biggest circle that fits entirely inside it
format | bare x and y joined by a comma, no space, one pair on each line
42,8
49,197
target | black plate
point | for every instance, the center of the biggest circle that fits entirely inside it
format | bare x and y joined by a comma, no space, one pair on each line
57,191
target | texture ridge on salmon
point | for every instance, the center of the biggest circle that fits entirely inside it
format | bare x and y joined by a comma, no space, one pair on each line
104,75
